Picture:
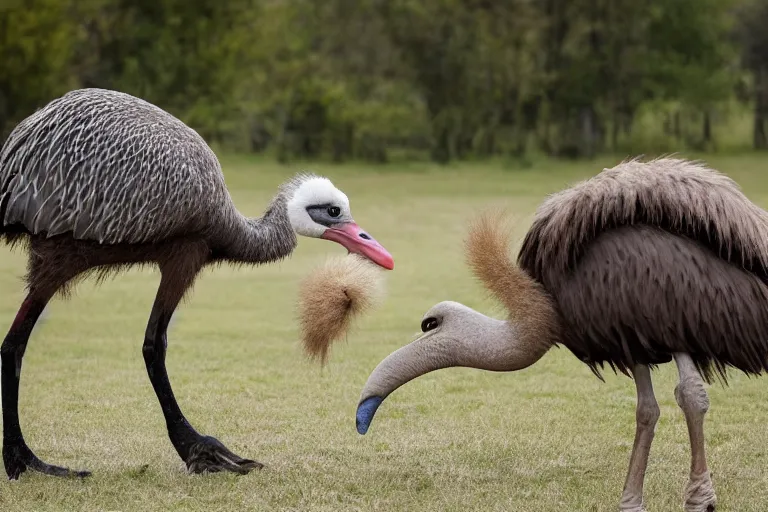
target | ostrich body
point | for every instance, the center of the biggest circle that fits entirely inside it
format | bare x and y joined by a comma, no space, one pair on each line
642,264
97,181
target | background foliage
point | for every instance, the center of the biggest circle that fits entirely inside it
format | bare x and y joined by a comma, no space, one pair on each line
384,79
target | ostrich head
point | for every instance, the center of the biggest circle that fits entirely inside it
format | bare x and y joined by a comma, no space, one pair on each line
456,335
317,209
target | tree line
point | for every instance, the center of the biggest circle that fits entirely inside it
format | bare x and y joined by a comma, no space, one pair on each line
384,79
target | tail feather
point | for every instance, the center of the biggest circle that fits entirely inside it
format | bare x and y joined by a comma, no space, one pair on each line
487,254
527,302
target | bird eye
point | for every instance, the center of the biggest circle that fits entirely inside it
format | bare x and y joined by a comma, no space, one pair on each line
334,211
429,324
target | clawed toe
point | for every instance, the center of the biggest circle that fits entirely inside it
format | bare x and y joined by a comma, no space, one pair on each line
700,494
703,507
210,455
18,458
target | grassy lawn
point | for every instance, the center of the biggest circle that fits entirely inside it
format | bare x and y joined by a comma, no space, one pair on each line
549,438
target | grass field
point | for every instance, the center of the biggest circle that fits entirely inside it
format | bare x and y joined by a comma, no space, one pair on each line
549,438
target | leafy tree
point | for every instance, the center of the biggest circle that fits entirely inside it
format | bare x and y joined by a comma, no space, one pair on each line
752,33
371,79
36,46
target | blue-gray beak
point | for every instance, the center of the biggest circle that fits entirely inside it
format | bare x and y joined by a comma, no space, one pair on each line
366,410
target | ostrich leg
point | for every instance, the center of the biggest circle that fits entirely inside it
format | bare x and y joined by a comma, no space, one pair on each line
693,400
17,456
200,453
647,414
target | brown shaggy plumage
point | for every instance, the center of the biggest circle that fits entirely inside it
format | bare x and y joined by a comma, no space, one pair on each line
647,259
331,296
676,195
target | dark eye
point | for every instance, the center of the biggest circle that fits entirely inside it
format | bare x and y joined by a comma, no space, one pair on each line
429,324
334,211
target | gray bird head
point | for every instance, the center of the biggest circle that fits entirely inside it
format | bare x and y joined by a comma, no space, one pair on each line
453,335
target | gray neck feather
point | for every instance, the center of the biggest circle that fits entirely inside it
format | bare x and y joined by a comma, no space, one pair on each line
265,239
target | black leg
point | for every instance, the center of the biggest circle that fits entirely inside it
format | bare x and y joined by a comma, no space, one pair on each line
17,456
200,453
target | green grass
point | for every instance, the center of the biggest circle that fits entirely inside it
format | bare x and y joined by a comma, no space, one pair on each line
549,438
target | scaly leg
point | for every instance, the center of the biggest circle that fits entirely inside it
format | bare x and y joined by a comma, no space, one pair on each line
200,453
17,457
693,400
647,414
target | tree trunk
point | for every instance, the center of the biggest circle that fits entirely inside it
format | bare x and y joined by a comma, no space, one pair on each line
590,132
761,109
628,119
3,120
441,152
706,132
587,132
667,124
676,126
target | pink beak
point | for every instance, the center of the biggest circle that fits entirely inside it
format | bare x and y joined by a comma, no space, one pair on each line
357,241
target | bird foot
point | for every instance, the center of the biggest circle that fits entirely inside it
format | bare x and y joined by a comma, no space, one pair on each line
634,508
631,502
700,494
17,458
209,454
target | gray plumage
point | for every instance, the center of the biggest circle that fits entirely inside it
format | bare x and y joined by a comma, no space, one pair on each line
98,181
647,259
111,168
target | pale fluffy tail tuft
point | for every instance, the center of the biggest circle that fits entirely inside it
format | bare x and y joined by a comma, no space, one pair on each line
487,253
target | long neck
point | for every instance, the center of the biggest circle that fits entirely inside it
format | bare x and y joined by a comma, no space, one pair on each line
532,312
480,342
501,346
531,309
262,240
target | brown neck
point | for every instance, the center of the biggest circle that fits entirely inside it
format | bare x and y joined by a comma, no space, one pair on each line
532,311
529,306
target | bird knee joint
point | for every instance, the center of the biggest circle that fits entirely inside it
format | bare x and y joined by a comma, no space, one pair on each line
647,414
148,349
15,350
691,396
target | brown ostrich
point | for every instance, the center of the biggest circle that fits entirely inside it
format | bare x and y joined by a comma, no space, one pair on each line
97,181
642,264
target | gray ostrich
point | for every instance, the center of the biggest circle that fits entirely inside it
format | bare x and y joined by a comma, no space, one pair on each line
97,181
642,264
